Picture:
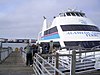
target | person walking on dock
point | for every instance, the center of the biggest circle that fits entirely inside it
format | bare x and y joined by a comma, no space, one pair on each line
34,49
21,50
51,47
28,50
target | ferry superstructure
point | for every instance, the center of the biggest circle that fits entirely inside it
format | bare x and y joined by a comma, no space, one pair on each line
71,28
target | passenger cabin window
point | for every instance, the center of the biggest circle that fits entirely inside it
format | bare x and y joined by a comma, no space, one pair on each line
62,14
73,14
49,31
84,44
82,14
56,44
79,28
68,14
77,14
46,32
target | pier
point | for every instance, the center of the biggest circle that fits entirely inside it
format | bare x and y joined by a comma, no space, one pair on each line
43,64
15,65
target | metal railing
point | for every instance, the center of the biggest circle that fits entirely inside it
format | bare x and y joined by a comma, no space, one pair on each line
85,58
77,60
4,53
43,67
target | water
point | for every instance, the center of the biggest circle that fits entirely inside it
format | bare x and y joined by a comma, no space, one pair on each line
14,45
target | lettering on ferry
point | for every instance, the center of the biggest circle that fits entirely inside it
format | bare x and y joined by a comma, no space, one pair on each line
88,34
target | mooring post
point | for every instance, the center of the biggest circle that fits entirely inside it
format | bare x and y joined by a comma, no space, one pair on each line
73,63
57,63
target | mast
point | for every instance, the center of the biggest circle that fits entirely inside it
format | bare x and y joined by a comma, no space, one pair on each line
44,25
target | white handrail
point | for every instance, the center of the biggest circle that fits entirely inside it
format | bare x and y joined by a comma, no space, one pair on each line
49,65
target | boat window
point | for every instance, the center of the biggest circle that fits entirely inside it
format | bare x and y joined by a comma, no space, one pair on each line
68,14
62,14
84,44
51,30
81,14
56,44
73,14
79,28
77,14
71,43
46,32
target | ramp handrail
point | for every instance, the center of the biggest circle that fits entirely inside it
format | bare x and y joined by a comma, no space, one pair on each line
37,56
4,53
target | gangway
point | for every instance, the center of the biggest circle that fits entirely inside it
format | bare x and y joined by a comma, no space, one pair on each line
52,64
14,65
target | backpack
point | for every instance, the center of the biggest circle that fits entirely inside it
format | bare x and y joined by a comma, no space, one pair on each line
28,49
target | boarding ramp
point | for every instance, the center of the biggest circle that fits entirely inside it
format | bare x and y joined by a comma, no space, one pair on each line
14,65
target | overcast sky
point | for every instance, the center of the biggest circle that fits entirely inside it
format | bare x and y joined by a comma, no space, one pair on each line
24,18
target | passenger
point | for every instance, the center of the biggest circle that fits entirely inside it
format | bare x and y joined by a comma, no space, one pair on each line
54,50
39,48
45,48
21,50
28,50
35,49
51,47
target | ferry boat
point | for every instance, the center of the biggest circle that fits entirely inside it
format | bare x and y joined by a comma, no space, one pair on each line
71,29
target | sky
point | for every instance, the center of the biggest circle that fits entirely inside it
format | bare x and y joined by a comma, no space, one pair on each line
24,18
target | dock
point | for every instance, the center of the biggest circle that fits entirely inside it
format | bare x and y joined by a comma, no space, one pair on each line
14,65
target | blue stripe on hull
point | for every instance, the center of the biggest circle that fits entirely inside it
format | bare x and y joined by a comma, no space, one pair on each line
54,36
